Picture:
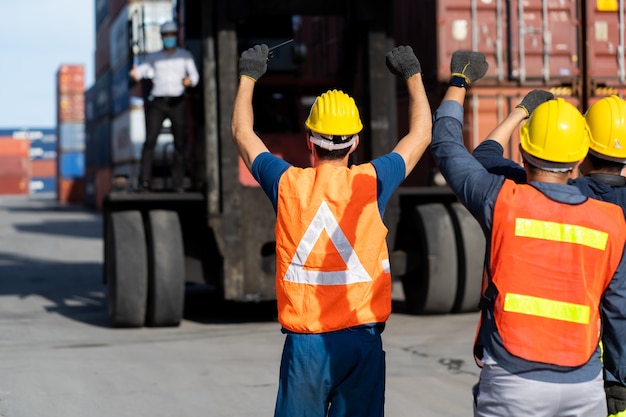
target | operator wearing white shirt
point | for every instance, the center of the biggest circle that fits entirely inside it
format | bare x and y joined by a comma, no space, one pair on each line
171,71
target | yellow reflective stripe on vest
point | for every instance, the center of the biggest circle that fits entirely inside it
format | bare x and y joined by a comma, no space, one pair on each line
619,414
561,232
543,307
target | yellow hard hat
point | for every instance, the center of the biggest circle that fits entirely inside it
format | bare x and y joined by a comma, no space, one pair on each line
556,132
606,119
334,113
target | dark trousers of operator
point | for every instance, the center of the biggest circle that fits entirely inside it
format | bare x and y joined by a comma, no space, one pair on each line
157,110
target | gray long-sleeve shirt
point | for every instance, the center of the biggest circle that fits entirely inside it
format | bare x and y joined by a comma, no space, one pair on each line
478,190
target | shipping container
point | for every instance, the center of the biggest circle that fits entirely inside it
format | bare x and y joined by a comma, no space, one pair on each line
71,108
71,190
101,11
43,168
71,165
16,185
71,79
98,144
14,147
525,42
14,165
43,185
71,137
102,95
102,48
42,150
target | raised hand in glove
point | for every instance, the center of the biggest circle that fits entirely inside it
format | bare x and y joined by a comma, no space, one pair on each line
531,100
253,62
402,61
615,399
469,65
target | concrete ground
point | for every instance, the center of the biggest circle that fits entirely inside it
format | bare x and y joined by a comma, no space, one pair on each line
60,358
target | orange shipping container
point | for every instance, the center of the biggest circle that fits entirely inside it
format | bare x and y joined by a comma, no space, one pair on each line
10,146
14,165
70,190
71,108
43,168
71,79
14,185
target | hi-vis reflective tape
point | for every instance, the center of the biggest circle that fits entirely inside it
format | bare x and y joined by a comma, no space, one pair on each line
543,307
561,232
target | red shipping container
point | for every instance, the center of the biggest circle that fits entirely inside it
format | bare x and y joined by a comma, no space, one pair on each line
70,190
71,108
71,79
14,165
525,41
42,168
14,185
486,107
605,41
10,146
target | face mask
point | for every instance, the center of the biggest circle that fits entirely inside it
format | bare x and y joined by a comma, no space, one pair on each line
169,42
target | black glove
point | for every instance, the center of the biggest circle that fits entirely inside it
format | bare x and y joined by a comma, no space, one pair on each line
470,65
253,62
402,61
533,99
615,397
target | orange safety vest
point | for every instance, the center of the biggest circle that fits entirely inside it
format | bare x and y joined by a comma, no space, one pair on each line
550,263
332,262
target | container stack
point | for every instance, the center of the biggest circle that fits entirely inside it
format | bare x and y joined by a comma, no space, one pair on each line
14,165
71,133
529,44
134,32
43,160
115,121
98,113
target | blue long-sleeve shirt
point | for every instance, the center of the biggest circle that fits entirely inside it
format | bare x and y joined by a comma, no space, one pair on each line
491,155
478,189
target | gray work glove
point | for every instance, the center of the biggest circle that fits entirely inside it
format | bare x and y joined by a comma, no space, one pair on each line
253,62
402,61
615,397
531,100
470,65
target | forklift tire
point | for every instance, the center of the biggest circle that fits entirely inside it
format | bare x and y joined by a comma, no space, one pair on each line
430,283
126,269
471,244
166,269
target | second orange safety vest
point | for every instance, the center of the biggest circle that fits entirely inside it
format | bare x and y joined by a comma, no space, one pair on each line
550,263
332,262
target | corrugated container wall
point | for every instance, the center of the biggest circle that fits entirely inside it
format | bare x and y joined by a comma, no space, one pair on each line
14,165
529,41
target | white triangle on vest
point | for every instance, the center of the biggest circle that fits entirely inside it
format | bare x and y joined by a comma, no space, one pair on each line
324,220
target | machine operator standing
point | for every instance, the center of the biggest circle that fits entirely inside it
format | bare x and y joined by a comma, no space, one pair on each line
171,71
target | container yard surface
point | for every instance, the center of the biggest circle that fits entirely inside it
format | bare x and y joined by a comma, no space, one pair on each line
60,358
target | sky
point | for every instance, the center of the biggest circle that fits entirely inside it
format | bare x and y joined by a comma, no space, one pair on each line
36,38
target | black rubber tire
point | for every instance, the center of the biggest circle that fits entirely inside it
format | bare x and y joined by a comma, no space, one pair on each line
430,284
126,269
471,258
166,269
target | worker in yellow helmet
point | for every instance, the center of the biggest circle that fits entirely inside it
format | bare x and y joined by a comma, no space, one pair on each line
552,252
333,280
599,178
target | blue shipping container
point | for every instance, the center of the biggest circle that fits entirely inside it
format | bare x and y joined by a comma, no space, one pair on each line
71,137
39,185
72,165
40,149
